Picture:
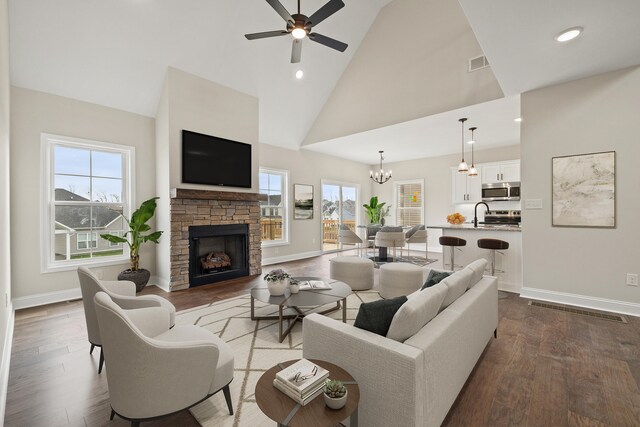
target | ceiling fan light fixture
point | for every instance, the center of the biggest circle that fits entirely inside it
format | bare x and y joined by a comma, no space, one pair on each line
569,34
298,33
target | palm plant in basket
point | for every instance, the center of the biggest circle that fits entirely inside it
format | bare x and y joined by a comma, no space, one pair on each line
139,233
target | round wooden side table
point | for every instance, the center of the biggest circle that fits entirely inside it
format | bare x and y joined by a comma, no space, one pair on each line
287,412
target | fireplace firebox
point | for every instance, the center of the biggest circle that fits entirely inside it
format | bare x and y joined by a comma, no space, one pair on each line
218,252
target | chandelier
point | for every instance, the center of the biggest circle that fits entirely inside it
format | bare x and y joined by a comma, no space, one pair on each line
382,176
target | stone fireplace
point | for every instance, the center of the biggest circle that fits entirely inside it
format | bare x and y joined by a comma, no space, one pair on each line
202,253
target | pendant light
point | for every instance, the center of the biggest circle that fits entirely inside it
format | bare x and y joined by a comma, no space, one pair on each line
383,176
462,167
472,171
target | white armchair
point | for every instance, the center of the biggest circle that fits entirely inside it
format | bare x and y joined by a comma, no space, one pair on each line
390,237
155,371
346,235
123,293
419,235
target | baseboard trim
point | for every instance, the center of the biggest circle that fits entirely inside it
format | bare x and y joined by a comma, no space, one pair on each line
603,304
160,283
6,361
293,257
509,287
46,298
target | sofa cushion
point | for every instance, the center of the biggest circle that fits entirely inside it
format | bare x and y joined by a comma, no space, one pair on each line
434,278
417,312
376,316
477,268
456,284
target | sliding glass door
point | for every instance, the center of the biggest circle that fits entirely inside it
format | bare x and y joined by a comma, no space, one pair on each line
340,203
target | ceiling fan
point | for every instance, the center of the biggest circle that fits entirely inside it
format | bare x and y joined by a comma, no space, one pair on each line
299,26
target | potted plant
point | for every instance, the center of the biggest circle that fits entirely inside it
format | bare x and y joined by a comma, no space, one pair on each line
335,394
376,211
277,281
135,237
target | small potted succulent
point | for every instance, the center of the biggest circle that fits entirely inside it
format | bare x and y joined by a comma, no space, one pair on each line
335,394
277,281
294,285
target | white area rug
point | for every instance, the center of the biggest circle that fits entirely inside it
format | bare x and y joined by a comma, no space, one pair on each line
256,349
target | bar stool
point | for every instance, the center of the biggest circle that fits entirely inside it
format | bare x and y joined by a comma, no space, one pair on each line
494,245
453,243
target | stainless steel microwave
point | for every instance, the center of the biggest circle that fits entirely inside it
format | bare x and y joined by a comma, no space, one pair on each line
501,191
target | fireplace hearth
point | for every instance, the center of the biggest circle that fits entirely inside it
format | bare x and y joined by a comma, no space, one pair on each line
217,252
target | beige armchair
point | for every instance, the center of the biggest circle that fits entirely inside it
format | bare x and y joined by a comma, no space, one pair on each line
346,235
418,236
123,293
155,371
389,237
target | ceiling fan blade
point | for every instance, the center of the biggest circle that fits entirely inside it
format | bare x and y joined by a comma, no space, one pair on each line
296,51
278,7
328,41
325,11
266,34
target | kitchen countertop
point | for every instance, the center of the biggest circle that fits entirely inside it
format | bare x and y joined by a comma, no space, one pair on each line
481,227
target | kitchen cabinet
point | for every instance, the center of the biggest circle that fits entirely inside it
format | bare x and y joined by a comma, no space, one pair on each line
501,172
466,189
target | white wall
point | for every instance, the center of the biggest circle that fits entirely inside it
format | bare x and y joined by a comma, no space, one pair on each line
5,249
399,73
196,104
590,115
307,167
436,172
33,113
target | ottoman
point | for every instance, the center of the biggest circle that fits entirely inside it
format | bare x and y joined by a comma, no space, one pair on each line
354,271
399,278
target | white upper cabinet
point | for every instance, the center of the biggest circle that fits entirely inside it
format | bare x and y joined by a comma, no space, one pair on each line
466,189
501,172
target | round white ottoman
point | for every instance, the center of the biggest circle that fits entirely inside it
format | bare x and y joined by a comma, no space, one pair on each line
399,278
354,271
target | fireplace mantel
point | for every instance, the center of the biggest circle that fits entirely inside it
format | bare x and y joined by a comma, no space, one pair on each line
186,193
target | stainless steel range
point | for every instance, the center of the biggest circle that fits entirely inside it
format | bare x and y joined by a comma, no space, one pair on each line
502,218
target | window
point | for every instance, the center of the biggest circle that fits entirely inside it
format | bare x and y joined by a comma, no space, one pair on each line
115,244
86,186
83,241
273,211
409,203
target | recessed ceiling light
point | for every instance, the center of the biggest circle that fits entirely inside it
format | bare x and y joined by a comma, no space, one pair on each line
518,120
299,74
569,34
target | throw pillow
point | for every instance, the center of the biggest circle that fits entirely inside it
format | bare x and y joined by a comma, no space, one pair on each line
417,312
457,285
376,316
435,277
391,228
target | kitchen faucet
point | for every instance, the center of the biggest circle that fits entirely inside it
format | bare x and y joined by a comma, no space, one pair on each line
475,213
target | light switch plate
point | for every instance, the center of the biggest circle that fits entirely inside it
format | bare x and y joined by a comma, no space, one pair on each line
533,204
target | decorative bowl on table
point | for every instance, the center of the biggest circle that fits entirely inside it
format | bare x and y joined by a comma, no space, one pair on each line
277,282
456,219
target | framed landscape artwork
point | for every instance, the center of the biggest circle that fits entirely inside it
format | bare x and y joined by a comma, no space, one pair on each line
584,190
303,201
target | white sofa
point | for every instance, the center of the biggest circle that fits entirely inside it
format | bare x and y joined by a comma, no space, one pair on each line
415,382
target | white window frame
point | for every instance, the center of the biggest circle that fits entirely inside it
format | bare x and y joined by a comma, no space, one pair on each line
48,264
285,206
324,182
396,189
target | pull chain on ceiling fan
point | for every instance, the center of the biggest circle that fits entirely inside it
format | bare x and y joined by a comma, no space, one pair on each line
300,26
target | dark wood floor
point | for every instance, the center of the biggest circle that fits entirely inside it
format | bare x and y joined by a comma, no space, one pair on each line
546,368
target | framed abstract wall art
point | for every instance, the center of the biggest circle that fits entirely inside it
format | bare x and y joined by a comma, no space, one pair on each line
302,201
584,190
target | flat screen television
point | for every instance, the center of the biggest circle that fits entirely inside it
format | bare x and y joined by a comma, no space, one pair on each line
215,161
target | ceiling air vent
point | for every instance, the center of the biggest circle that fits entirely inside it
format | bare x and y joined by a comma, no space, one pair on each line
478,63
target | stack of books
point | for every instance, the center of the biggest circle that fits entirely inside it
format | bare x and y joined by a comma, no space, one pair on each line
302,381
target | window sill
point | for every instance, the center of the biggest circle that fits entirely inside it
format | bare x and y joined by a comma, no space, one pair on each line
269,244
73,265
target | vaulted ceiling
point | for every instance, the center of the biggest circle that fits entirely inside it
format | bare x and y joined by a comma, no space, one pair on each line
407,59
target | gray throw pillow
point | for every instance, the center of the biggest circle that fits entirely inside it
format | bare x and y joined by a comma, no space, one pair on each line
413,230
435,277
391,228
376,316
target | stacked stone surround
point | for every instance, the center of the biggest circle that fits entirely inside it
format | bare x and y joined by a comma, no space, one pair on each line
202,207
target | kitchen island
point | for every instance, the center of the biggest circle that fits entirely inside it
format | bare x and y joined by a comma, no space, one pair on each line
510,262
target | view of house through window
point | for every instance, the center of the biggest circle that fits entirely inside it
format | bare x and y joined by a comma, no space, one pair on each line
339,207
88,190
409,203
273,211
